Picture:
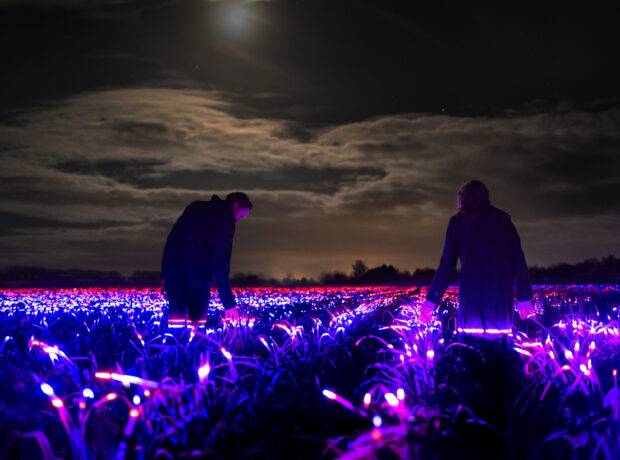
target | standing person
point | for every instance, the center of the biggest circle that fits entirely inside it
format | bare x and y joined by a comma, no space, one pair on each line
197,250
492,263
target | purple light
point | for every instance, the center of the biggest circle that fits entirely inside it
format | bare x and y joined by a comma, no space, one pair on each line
484,331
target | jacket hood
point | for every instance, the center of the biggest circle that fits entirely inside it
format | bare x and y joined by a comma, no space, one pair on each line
221,206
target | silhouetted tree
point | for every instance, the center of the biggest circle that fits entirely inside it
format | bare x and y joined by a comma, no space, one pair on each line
359,268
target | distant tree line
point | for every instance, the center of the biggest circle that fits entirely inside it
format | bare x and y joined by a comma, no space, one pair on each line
592,270
382,274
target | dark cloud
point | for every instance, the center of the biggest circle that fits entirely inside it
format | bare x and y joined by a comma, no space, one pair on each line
151,174
352,125
100,171
319,61
14,224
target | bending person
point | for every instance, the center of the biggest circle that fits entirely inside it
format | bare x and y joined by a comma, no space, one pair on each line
197,250
492,263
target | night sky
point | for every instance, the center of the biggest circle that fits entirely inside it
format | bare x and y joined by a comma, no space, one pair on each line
351,125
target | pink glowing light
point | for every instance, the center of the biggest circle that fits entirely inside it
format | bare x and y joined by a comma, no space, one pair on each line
329,394
367,399
391,399
484,331
57,402
521,351
375,434
134,413
111,396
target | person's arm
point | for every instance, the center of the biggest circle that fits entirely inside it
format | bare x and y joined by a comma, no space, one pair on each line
520,272
521,277
447,264
221,269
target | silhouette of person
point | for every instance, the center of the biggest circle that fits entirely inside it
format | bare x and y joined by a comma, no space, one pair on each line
197,250
492,263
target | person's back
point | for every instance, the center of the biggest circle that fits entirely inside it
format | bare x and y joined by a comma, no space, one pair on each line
205,229
197,250
492,262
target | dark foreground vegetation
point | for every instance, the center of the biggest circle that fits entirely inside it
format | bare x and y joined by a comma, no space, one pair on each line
313,372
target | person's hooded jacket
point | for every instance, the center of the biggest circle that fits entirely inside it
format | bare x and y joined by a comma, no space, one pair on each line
492,265
198,248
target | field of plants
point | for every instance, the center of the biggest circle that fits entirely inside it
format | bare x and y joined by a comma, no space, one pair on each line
332,372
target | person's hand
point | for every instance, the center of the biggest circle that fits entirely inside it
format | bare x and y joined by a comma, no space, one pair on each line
525,308
232,316
426,311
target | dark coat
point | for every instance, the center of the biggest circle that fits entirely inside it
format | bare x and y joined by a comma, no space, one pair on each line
492,262
198,248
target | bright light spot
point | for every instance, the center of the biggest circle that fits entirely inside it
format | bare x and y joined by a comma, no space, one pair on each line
147,393
592,345
203,372
103,375
367,399
329,394
576,347
88,393
82,405
523,352
137,400
57,402
614,372
400,394
377,421
391,399
226,354
134,413
111,396
568,354
375,434
430,354
47,389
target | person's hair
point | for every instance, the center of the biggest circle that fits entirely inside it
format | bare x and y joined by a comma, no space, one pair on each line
240,198
471,197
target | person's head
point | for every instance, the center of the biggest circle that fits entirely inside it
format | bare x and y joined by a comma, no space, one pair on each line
240,204
471,196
